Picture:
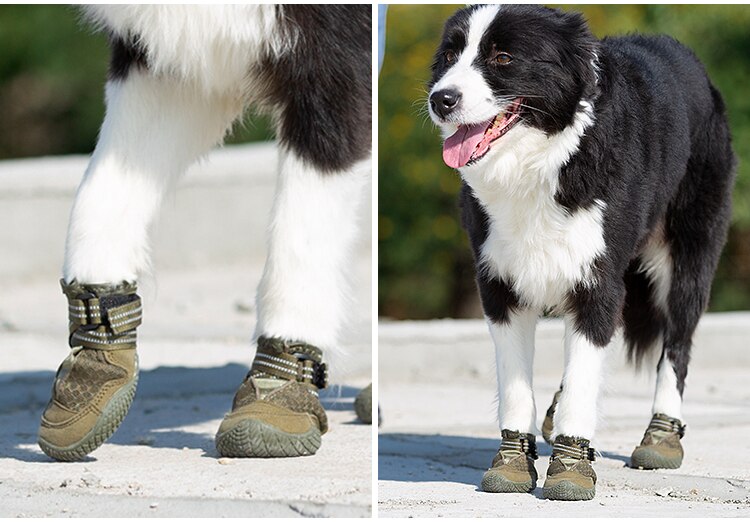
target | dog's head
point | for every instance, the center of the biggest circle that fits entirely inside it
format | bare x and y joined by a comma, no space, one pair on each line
500,67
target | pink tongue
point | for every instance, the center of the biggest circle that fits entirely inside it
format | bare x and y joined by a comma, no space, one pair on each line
459,147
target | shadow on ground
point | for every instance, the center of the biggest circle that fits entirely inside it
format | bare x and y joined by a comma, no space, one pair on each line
170,405
411,457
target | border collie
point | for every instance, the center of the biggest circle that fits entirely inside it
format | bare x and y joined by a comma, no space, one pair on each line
597,177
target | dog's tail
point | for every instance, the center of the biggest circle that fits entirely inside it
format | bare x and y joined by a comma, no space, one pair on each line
643,320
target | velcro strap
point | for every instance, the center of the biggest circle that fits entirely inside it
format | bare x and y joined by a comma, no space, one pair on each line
125,317
522,442
84,312
580,451
95,325
668,424
290,361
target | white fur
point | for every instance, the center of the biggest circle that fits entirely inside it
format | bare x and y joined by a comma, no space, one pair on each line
667,399
656,263
479,102
153,130
213,45
514,357
534,242
302,294
577,411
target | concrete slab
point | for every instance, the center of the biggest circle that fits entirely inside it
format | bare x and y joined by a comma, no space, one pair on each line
194,346
439,430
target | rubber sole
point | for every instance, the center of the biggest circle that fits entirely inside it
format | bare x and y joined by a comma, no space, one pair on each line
566,490
647,458
254,438
494,482
363,409
112,416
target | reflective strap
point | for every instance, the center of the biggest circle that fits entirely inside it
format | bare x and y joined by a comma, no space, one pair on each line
668,424
94,326
85,312
582,452
289,361
125,317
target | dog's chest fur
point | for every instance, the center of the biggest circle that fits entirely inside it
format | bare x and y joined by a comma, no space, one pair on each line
533,243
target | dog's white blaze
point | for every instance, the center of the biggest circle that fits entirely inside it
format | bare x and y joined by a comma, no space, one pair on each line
667,399
214,45
533,242
514,358
577,412
479,102
303,291
153,130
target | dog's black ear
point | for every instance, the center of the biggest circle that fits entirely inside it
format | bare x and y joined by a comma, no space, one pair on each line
583,46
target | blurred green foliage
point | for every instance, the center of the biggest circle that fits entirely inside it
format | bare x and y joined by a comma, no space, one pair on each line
52,73
425,264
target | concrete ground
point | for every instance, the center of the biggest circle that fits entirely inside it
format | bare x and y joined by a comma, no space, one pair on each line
439,431
194,349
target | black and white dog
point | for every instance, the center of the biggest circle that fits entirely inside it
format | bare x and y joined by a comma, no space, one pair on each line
597,179
179,77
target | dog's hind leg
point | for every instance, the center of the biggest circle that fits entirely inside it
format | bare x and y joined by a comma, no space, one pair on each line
694,233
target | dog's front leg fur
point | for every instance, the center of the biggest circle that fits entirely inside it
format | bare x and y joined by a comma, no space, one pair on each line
303,293
154,129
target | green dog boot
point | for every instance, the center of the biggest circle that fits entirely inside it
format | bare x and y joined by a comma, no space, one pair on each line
363,405
660,447
548,425
512,468
570,475
96,383
276,411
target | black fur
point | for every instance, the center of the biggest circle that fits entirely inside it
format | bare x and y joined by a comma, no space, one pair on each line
658,155
324,85
125,54
498,298
322,88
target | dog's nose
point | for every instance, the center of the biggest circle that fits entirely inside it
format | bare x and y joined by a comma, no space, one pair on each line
444,102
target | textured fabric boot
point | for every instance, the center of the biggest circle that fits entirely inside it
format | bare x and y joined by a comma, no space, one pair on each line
363,405
276,411
570,475
660,447
512,468
548,425
96,383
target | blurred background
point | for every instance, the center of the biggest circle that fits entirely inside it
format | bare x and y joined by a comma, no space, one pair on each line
52,74
425,264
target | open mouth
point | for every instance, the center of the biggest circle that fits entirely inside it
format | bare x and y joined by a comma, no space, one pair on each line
471,142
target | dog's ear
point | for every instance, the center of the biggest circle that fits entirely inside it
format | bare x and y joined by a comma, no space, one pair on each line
583,47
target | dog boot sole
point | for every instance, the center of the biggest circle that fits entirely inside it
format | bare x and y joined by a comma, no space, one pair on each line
496,483
566,490
254,438
647,458
112,416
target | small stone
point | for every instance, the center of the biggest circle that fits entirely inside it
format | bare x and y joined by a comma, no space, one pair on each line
154,505
224,461
663,492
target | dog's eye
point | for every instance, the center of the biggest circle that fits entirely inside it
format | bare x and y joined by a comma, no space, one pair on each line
450,56
503,58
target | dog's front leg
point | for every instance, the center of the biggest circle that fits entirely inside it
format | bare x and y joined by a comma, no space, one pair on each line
589,328
513,467
155,127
